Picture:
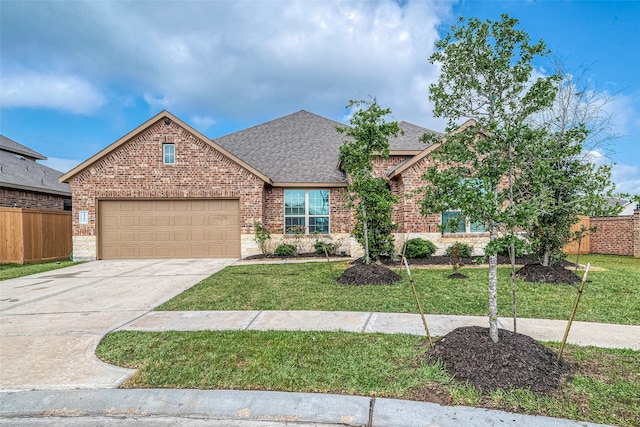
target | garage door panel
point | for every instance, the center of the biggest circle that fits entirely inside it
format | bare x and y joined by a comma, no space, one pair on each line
169,229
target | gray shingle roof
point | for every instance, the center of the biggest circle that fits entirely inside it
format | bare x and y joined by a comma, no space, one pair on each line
411,139
8,144
19,170
303,147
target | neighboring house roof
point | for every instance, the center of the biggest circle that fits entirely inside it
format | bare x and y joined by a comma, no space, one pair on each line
10,145
163,115
19,170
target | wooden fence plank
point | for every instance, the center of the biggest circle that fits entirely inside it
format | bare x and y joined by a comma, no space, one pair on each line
31,235
572,248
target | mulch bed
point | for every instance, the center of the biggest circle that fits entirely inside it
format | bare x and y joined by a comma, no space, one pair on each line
516,362
377,273
555,274
368,274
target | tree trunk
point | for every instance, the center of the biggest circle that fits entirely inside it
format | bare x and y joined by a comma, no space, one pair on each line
545,259
493,291
512,256
365,230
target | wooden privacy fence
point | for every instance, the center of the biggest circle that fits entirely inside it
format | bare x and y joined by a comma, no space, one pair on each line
585,245
30,235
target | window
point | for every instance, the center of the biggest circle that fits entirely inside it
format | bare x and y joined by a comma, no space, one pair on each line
83,217
168,154
306,210
456,222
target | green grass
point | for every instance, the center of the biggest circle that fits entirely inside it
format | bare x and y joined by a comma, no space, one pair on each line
612,296
12,271
605,387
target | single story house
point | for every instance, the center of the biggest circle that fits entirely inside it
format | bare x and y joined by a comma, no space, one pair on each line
27,184
165,190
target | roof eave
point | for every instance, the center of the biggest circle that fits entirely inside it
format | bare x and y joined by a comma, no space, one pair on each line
310,184
35,189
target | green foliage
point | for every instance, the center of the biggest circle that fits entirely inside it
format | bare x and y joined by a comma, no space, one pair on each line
419,248
566,186
331,247
461,249
285,249
368,139
487,76
261,236
501,246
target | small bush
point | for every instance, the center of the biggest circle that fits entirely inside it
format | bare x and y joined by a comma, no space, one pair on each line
285,249
465,250
331,247
501,245
419,248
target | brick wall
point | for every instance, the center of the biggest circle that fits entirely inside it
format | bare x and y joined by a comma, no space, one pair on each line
136,170
616,235
11,198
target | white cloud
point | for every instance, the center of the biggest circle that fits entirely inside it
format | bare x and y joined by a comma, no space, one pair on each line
627,178
58,92
203,123
62,165
238,60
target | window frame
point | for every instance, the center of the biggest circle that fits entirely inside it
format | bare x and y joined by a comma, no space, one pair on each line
307,216
165,154
467,224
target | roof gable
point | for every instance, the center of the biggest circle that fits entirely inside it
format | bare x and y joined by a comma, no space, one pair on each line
164,115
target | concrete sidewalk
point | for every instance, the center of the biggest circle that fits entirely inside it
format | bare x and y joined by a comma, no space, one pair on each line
246,409
582,333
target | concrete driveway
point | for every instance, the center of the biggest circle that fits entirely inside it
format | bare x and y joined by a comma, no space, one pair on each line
51,323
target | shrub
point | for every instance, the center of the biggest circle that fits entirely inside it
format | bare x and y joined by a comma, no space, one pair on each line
331,247
419,248
262,236
501,245
464,250
285,249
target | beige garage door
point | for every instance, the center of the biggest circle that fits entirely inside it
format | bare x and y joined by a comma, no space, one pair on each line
169,229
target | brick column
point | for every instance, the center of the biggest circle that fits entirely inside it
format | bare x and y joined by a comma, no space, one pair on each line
636,233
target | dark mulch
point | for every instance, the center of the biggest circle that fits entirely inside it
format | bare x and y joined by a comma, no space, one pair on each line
445,260
516,361
368,274
554,274
457,276
300,255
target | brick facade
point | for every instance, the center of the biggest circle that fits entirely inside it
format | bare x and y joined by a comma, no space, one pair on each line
135,170
11,198
616,235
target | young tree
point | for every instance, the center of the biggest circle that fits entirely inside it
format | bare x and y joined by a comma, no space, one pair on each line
561,173
370,196
486,75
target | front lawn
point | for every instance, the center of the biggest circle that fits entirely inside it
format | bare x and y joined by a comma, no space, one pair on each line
611,296
12,271
605,387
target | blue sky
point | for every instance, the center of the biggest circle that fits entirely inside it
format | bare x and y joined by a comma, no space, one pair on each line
76,76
